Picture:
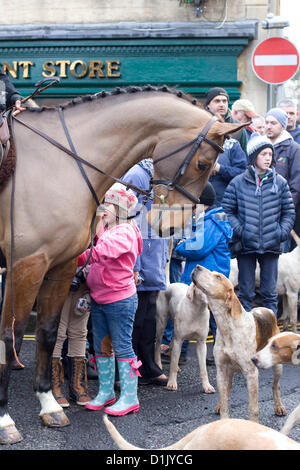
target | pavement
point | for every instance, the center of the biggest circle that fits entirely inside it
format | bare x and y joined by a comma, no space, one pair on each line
164,416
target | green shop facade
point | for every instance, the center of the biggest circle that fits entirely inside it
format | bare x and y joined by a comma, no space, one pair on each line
89,58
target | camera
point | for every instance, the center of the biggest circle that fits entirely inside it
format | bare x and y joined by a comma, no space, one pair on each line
77,280
274,22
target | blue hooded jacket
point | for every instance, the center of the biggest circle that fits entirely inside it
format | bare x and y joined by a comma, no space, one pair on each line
209,247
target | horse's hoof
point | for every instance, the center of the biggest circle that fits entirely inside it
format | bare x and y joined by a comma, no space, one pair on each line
55,420
10,435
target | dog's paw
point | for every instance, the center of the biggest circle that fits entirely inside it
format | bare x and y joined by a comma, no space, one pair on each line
172,386
280,410
208,389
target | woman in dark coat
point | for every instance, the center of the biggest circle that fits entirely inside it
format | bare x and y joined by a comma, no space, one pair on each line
261,212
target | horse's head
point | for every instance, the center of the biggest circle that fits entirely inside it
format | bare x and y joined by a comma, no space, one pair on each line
173,203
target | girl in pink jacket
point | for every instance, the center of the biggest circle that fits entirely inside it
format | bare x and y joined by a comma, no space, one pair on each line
114,302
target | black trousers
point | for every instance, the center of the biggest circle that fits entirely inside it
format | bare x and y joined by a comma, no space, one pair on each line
268,263
144,334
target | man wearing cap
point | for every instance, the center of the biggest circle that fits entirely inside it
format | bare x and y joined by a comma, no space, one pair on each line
217,102
293,115
243,111
287,155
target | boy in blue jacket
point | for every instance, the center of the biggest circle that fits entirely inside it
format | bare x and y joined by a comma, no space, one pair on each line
209,247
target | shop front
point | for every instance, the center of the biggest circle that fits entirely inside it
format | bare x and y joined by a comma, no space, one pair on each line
88,61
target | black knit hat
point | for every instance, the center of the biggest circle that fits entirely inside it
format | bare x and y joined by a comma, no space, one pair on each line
213,92
256,144
208,195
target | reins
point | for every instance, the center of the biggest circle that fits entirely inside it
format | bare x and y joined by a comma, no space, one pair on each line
12,249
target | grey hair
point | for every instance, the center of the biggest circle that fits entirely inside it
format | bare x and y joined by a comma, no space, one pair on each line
287,103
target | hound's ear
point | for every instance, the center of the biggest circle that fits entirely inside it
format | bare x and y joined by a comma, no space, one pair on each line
191,292
233,304
296,355
296,345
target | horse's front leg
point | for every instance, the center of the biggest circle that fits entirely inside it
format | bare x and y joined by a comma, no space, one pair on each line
51,298
28,274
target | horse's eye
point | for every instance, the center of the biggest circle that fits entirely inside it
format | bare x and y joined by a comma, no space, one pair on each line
201,166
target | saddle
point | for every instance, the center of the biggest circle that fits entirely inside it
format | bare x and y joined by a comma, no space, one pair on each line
4,139
7,152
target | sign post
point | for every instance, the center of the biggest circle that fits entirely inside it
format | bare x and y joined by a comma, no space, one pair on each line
274,61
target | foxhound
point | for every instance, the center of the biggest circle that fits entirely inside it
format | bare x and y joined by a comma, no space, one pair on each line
227,434
187,308
239,335
283,348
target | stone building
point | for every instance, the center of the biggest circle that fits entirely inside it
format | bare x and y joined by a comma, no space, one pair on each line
94,45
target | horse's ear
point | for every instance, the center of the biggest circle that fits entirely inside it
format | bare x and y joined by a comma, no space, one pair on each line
226,128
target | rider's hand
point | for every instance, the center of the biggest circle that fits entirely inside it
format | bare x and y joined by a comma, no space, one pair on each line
18,108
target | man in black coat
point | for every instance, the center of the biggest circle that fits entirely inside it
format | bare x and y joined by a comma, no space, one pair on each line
287,156
217,102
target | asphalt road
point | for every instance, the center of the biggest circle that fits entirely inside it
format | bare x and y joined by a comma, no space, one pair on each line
164,416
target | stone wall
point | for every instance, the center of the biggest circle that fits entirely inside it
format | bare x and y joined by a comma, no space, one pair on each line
97,11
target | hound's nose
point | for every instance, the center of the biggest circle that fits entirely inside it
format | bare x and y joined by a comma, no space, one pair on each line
198,267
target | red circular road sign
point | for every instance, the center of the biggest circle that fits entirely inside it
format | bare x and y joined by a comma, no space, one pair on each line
275,60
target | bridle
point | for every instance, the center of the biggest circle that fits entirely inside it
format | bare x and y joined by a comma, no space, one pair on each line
195,143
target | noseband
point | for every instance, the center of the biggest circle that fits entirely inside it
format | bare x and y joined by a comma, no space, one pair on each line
195,143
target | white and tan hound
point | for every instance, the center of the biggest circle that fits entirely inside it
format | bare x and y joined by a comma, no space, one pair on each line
239,335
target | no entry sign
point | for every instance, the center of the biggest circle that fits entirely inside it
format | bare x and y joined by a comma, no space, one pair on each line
275,60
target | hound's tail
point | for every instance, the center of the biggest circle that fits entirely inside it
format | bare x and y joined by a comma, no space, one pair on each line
116,436
295,237
292,420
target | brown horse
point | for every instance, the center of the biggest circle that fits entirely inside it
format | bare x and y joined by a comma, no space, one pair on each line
54,207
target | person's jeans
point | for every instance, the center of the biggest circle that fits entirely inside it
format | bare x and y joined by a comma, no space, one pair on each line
175,270
115,320
268,279
213,326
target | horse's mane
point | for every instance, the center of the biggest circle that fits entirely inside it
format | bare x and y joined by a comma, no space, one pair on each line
120,91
